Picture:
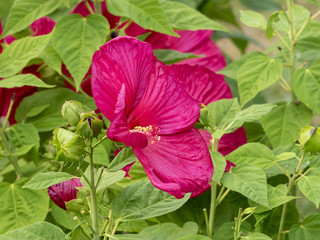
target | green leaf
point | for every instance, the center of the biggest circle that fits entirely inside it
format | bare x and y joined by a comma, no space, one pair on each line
23,150
308,49
194,237
20,52
37,110
52,58
276,197
306,85
257,236
310,187
269,31
109,178
308,230
182,16
254,112
24,12
25,134
36,231
225,232
21,207
171,56
282,125
169,231
231,70
219,163
254,153
148,14
45,180
248,180
253,19
23,80
142,201
77,44
62,217
50,117
299,17
124,158
221,112
257,74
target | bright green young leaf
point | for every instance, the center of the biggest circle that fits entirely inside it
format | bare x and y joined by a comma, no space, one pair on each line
248,180
36,231
282,125
45,180
299,16
285,156
219,163
142,201
124,157
171,56
253,153
169,231
77,44
257,74
253,19
308,230
24,12
310,187
52,58
276,197
22,134
109,178
222,112
50,117
231,70
148,14
257,236
273,18
254,112
306,85
21,207
16,56
23,80
182,16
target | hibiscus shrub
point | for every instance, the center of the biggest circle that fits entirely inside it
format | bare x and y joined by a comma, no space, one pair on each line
125,114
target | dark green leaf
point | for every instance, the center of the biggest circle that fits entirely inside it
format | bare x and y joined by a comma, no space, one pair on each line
310,187
308,230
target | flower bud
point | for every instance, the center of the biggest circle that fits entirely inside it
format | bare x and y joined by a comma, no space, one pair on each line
64,192
90,125
72,110
69,146
310,139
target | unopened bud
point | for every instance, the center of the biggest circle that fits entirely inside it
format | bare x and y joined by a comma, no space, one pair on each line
90,125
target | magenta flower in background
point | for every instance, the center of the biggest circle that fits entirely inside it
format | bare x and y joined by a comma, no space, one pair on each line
42,26
64,192
206,87
151,111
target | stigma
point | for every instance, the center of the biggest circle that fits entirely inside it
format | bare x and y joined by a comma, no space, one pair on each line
151,131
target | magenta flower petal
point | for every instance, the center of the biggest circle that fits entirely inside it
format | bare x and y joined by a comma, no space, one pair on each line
82,9
64,192
197,42
42,26
202,84
178,163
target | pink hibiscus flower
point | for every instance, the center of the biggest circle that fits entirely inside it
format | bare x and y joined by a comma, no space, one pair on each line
151,111
64,192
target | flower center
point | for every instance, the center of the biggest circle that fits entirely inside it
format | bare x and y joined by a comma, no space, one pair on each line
151,131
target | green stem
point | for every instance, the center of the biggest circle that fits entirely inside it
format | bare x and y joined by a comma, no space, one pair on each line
93,194
73,84
115,227
88,6
205,212
219,200
108,225
13,159
100,141
97,6
212,207
8,112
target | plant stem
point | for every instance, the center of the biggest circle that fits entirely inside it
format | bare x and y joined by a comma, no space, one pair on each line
93,194
219,200
8,112
212,207
115,227
205,212
100,141
88,6
97,6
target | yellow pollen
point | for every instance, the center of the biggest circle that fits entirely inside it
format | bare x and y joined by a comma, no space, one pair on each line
151,131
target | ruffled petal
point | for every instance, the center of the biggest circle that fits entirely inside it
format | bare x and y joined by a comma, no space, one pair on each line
197,42
178,163
122,60
202,84
165,104
42,26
